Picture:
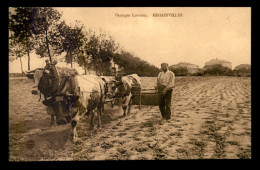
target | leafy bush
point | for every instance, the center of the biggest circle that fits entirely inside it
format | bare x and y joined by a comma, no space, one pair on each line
217,70
198,73
180,71
242,72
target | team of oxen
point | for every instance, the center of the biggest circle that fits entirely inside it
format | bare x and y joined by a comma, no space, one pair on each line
69,95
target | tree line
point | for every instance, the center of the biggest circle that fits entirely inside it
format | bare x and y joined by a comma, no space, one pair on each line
42,30
213,70
134,64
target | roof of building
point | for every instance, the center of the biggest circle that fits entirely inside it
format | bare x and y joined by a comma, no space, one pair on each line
185,64
216,61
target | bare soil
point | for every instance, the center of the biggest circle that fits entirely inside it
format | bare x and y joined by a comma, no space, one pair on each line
211,119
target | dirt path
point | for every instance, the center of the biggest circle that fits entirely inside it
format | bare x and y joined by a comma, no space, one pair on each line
211,119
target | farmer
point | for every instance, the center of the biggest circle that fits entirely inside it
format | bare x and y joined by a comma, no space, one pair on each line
165,84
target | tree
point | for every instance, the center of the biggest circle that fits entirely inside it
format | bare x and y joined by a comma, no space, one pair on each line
91,48
123,59
45,23
19,24
132,64
101,49
84,61
72,41
107,49
16,50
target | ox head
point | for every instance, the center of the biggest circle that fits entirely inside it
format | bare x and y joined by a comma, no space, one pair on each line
61,107
64,103
62,112
58,109
112,89
117,89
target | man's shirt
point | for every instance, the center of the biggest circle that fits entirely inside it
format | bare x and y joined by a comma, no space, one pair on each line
166,79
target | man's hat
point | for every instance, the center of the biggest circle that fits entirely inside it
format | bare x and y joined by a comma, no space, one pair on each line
164,64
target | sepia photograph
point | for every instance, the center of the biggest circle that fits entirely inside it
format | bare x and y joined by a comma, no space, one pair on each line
129,83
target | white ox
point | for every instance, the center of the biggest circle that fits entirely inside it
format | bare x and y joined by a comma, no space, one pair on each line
90,90
90,93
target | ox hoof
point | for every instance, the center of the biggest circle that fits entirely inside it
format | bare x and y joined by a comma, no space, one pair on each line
73,139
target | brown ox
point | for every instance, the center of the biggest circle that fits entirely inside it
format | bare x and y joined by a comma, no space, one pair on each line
126,88
51,82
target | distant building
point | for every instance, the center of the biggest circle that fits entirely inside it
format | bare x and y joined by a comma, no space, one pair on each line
192,68
218,62
243,66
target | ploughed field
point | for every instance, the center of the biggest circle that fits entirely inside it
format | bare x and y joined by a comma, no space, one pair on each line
211,119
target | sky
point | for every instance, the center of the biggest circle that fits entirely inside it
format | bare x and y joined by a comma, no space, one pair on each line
188,34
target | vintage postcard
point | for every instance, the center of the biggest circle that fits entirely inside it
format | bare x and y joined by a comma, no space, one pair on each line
129,83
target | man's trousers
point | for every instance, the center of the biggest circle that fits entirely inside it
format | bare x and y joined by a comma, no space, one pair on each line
165,104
